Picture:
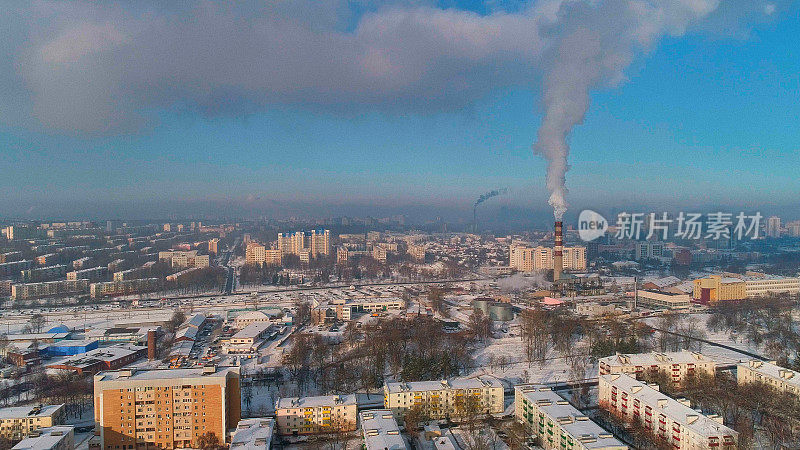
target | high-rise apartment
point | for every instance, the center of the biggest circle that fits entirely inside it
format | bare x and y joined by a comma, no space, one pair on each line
165,408
774,226
314,242
528,259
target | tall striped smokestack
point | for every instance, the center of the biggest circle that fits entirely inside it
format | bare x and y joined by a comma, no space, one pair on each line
558,252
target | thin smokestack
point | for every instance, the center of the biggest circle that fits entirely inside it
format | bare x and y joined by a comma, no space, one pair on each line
482,199
558,252
151,344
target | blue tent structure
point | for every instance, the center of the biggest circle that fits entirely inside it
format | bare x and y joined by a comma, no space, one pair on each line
60,328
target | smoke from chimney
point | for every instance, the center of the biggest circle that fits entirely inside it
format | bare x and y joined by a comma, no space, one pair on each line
485,197
596,42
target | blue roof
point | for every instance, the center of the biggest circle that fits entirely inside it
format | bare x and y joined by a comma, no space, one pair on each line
60,328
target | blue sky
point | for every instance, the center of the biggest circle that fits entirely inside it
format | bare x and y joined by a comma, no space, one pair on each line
702,120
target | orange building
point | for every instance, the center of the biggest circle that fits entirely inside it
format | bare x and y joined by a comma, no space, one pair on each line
165,408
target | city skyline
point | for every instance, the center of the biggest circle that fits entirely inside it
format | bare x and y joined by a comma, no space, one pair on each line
710,113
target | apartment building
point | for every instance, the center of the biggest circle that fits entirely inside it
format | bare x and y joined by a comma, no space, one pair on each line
165,408
91,274
29,291
782,379
47,273
558,424
114,288
311,243
379,253
47,260
528,259
309,415
677,364
213,245
342,254
649,250
184,259
445,398
13,269
253,434
261,255
10,256
417,252
380,431
673,421
50,438
180,276
17,422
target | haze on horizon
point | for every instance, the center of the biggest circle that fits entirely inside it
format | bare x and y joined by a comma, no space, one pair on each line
139,108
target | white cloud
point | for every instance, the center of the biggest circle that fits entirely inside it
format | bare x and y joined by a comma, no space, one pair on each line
106,68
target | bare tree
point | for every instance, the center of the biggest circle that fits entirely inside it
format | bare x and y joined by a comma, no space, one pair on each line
36,323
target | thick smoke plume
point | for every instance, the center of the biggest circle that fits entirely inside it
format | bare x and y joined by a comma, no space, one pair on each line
597,41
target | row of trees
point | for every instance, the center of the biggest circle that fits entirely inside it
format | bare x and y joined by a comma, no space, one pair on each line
766,322
408,349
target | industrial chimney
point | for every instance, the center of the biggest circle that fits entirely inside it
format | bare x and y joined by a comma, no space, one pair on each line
151,344
558,252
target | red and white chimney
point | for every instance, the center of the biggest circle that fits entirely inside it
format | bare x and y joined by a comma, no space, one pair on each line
558,252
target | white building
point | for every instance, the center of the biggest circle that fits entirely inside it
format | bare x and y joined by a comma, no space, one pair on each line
677,364
557,423
595,309
784,380
248,339
445,398
661,300
380,431
253,434
765,285
309,415
351,308
51,438
673,421
250,317
774,227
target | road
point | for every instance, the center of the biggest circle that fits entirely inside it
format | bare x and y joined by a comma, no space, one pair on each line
713,344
